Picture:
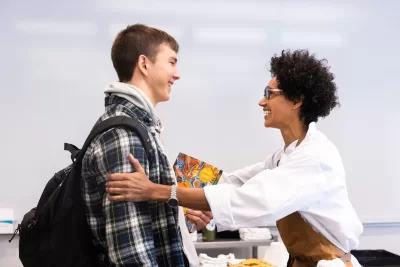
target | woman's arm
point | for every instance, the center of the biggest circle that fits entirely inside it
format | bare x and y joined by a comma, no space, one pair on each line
269,196
193,198
241,176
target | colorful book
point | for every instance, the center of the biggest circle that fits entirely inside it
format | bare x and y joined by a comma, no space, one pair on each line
194,173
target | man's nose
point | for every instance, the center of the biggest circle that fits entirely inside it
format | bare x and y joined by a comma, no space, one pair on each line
177,75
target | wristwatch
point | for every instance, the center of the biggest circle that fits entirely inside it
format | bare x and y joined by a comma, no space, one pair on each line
173,201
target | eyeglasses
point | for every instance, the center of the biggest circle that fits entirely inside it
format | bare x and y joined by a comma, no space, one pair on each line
268,90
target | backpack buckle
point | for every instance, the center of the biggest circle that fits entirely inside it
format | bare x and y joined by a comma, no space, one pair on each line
15,233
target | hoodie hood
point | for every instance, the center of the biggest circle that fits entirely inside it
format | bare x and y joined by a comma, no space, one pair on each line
136,97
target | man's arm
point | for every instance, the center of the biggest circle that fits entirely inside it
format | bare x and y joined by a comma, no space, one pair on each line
128,227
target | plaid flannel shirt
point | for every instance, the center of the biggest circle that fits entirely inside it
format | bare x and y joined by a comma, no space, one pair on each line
132,234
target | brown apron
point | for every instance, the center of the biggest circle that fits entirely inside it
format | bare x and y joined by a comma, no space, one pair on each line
306,246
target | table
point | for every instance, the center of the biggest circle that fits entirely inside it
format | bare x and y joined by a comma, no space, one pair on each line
233,243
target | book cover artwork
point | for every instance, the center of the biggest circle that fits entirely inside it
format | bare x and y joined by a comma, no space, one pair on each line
194,173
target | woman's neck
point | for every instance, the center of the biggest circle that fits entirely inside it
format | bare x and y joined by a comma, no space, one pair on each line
293,132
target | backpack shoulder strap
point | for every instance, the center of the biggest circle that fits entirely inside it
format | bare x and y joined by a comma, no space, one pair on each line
113,122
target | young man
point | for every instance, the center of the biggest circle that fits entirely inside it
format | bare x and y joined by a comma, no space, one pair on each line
145,233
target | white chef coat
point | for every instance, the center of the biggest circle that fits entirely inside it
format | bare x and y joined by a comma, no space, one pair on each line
310,179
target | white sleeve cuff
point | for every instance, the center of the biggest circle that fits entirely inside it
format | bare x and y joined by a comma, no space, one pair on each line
218,197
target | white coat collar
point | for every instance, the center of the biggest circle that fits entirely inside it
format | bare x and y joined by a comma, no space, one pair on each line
312,128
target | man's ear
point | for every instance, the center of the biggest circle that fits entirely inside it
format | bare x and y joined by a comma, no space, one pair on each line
142,64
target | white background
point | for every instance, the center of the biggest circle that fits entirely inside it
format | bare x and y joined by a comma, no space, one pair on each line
55,63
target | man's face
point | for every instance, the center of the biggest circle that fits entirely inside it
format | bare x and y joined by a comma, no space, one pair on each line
162,73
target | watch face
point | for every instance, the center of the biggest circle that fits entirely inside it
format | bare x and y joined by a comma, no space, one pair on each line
173,202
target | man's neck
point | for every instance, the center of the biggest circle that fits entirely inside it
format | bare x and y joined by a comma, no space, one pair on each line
141,85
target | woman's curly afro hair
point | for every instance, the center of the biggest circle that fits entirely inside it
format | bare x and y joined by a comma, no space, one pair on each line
303,77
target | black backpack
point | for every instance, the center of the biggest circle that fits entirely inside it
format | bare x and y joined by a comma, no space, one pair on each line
56,233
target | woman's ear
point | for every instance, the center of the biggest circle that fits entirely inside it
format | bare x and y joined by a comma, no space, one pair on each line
298,102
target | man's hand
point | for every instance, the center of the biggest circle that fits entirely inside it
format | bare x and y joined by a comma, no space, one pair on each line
134,186
201,218
137,187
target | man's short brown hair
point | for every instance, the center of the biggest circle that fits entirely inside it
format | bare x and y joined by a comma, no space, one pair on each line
134,41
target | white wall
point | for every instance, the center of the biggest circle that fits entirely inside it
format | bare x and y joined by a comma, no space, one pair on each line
55,62
387,238
9,252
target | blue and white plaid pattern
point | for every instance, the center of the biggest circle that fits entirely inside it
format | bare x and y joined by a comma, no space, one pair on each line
133,234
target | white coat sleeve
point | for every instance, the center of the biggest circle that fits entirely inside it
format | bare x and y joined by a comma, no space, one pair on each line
268,196
241,176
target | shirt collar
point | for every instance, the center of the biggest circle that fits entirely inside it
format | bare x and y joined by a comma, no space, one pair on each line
312,128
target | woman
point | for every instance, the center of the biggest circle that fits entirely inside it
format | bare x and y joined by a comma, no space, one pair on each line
301,186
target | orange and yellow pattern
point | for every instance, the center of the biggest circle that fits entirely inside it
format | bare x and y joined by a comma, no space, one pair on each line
194,173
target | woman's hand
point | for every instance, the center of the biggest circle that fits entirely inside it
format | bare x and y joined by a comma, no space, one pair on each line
134,186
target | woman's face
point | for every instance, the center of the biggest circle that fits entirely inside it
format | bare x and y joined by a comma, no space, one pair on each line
279,112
